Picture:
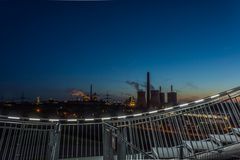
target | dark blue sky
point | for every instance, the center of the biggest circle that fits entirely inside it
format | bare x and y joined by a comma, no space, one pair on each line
49,48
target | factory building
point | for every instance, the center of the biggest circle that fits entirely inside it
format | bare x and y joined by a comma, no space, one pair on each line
155,99
141,100
172,97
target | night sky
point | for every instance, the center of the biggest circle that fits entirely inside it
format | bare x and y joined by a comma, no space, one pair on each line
49,48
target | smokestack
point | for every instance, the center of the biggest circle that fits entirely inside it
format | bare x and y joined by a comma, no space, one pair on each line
171,88
148,89
141,101
91,92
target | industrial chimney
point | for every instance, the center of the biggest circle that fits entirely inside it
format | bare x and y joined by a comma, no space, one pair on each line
141,100
172,97
148,89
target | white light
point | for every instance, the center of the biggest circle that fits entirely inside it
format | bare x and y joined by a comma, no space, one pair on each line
72,120
215,96
152,112
89,119
53,120
14,117
183,105
122,117
135,115
200,100
165,109
106,118
34,119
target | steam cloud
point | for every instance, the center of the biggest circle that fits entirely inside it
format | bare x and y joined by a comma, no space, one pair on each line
145,86
133,84
77,93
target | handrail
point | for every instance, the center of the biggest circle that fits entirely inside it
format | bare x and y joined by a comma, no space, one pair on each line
162,111
126,142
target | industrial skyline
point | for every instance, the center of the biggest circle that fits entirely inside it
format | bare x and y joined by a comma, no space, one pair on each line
49,48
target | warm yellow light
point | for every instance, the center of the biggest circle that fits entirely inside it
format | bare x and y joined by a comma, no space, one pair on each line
38,110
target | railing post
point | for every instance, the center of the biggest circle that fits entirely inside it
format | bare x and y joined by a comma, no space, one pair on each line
121,146
107,143
54,141
181,151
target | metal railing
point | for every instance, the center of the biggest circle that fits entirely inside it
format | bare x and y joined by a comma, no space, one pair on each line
197,130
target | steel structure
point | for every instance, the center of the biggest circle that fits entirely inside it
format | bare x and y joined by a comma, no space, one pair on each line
208,128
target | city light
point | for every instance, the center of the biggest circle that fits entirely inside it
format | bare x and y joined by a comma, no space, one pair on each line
34,119
38,110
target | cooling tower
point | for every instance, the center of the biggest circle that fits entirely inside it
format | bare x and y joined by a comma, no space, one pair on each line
141,101
172,97
155,100
161,97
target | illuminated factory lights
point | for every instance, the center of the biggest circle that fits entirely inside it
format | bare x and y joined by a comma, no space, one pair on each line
13,117
38,110
198,101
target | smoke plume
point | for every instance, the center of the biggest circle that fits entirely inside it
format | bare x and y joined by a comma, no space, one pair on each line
145,86
133,84
77,93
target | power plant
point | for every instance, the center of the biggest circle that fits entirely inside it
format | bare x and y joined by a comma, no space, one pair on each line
155,98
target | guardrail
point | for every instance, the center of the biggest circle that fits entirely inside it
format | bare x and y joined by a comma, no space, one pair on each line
190,130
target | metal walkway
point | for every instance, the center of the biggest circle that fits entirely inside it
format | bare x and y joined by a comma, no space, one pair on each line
208,128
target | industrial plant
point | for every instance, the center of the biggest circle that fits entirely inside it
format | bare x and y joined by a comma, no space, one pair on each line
155,98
